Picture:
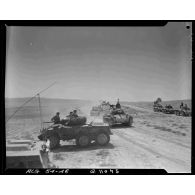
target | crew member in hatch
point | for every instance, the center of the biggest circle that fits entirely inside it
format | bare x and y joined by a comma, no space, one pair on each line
56,118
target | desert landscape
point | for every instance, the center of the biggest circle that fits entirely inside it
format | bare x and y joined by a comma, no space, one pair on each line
156,140
78,67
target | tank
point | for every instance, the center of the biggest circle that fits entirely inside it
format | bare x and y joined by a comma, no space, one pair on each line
100,109
157,108
118,116
183,112
168,110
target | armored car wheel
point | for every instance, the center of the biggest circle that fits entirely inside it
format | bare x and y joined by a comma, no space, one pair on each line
102,138
82,140
53,142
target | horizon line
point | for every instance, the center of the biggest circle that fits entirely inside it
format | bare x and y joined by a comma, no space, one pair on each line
96,100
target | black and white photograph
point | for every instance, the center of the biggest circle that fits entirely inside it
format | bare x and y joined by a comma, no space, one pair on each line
99,97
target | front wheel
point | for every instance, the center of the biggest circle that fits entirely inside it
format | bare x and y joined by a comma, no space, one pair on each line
53,142
82,140
102,138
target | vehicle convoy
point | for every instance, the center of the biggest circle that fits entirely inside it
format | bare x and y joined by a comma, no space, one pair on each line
168,109
72,128
183,112
158,108
118,116
97,110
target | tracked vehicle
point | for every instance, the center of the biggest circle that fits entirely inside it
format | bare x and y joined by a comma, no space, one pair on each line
118,116
183,112
97,110
157,108
168,110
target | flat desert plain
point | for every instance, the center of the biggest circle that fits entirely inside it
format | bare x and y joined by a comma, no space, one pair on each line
156,140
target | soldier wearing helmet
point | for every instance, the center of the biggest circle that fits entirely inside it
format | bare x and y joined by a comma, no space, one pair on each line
56,118
181,106
118,106
74,114
70,114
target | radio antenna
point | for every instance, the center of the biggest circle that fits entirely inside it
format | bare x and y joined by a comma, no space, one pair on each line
37,94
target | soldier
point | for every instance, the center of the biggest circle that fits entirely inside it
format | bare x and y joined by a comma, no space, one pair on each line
74,114
118,104
70,114
56,118
181,105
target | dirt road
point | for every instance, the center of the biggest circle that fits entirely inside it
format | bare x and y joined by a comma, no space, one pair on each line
155,141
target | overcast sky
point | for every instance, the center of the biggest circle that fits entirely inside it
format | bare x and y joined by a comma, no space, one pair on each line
130,63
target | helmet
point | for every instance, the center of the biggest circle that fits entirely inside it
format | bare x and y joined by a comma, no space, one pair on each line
57,113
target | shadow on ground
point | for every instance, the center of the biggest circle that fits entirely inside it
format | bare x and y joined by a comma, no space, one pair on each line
121,126
75,148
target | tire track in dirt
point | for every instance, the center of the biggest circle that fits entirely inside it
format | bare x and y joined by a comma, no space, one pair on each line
128,155
155,135
139,108
153,152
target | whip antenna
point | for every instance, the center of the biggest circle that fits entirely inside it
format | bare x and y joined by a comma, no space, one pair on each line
37,94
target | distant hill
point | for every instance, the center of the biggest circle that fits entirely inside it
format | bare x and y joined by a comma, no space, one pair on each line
16,102
48,102
149,105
